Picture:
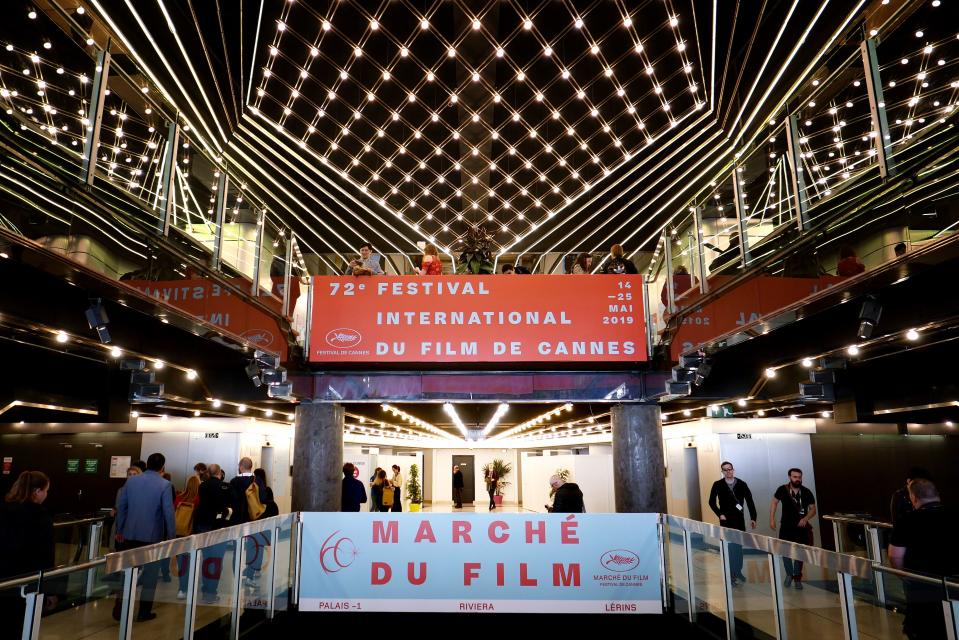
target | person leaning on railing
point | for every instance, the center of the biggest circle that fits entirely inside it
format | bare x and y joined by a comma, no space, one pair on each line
26,536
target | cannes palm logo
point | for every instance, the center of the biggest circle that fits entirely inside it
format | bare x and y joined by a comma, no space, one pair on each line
343,338
337,554
620,560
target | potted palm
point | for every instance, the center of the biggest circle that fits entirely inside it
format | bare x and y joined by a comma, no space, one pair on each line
500,469
413,489
476,252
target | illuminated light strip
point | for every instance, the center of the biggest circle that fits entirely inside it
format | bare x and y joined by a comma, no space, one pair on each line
611,187
365,423
678,181
256,43
153,77
653,170
501,410
455,417
534,421
802,76
422,423
338,187
769,56
186,58
51,407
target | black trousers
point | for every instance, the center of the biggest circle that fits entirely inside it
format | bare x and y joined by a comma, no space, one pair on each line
458,496
492,492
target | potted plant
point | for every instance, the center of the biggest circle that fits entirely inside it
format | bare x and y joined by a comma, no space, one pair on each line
501,469
413,489
476,252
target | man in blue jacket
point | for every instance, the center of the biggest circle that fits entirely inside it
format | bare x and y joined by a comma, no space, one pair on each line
144,517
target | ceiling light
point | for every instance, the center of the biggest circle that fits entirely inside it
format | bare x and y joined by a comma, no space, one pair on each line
500,52
806,362
594,49
579,23
527,24
770,373
190,374
241,408
374,25
451,53
853,350
627,21
912,335
741,402
62,337
116,352
217,404
424,24
326,25
687,412
477,25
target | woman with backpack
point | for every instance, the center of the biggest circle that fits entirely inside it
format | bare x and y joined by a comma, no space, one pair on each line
382,492
184,507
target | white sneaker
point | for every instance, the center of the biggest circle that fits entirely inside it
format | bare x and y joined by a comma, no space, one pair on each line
181,595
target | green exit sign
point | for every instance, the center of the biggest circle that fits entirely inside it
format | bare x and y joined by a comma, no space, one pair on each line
73,465
719,411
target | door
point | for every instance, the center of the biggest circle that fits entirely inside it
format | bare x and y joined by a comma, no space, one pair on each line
469,482
694,502
266,461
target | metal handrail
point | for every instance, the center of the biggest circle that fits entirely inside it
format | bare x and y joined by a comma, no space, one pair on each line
122,560
68,523
841,562
852,520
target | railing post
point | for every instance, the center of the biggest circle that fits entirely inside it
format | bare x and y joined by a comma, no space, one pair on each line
220,213
276,545
194,568
663,550
647,318
776,581
691,588
950,609
258,252
727,590
128,601
700,253
31,613
168,180
237,598
875,554
297,551
668,259
877,107
837,535
93,552
796,179
848,606
95,115
741,222
287,272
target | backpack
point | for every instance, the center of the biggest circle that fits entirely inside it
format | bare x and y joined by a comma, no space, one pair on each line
387,495
253,504
184,518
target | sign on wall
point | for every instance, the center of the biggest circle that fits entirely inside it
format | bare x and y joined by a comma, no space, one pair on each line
529,318
511,562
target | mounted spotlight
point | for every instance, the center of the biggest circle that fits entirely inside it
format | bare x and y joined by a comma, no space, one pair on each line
284,390
702,373
98,320
869,317
266,360
145,388
253,373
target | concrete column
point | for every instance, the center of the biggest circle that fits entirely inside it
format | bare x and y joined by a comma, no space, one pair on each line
639,473
317,457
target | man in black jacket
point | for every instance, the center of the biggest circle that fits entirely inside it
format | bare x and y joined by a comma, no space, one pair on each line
212,512
458,485
568,498
353,493
728,499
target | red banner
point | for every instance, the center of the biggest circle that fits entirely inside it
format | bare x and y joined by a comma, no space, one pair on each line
209,301
523,318
744,305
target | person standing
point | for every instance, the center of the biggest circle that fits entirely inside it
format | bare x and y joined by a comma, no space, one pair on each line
729,498
799,506
617,263
397,482
380,484
584,262
901,502
144,517
184,514
457,487
353,493
923,541
213,512
431,265
26,533
492,481
241,512
567,496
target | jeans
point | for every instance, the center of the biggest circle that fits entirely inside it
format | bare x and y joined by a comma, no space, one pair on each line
182,569
256,546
